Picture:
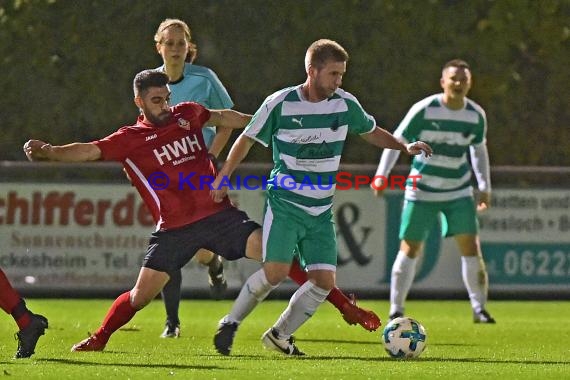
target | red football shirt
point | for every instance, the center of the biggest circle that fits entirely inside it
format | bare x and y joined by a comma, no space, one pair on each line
168,165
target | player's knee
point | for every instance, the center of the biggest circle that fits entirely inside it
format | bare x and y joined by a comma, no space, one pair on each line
259,286
325,284
274,279
276,272
204,256
323,279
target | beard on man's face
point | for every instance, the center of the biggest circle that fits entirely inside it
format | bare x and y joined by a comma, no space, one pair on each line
158,119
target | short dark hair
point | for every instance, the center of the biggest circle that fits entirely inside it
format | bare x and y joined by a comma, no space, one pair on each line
322,51
459,63
149,78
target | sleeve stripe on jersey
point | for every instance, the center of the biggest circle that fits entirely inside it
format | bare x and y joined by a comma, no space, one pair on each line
348,97
263,113
414,110
144,181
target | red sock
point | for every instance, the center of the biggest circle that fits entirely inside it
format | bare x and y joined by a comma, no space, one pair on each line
118,315
296,273
9,297
12,303
336,296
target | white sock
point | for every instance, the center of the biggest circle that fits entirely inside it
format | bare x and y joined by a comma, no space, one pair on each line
403,273
475,279
255,289
302,306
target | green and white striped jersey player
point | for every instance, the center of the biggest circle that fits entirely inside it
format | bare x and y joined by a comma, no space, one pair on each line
454,126
306,126
307,140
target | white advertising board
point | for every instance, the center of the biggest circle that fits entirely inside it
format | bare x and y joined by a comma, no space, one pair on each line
84,237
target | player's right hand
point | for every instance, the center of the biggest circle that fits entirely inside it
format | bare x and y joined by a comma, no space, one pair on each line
218,192
36,150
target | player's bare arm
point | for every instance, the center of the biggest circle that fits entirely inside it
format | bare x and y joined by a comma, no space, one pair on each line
237,154
220,140
384,139
37,150
228,119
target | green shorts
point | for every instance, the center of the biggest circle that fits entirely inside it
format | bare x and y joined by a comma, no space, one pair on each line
288,230
419,217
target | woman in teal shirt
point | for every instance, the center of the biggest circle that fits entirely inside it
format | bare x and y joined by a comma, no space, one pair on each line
191,83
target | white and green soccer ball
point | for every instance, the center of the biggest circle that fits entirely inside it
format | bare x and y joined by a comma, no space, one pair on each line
404,338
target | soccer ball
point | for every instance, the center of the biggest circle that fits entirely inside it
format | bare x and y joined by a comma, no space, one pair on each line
404,338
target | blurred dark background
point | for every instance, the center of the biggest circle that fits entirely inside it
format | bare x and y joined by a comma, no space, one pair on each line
66,67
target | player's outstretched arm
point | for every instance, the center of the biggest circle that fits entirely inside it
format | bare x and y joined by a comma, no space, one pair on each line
384,139
238,152
228,118
37,150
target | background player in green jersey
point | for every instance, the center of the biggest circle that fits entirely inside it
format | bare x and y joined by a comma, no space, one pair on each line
306,126
454,126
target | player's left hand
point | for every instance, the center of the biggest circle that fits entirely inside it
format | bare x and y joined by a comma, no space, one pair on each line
484,202
419,147
377,186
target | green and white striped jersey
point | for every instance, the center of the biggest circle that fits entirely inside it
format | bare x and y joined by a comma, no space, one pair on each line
307,140
446,175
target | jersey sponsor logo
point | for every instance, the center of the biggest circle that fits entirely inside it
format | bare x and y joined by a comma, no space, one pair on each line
305,139
151,137
323,150
179,148
184,124
298,121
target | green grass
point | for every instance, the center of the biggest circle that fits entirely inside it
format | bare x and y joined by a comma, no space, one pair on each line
530,341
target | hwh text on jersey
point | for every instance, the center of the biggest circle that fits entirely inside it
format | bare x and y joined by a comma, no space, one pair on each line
174,150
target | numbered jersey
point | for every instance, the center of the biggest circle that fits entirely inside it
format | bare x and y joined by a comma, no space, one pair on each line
168,165
307,140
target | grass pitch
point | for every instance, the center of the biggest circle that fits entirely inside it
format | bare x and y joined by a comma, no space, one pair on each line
529,341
